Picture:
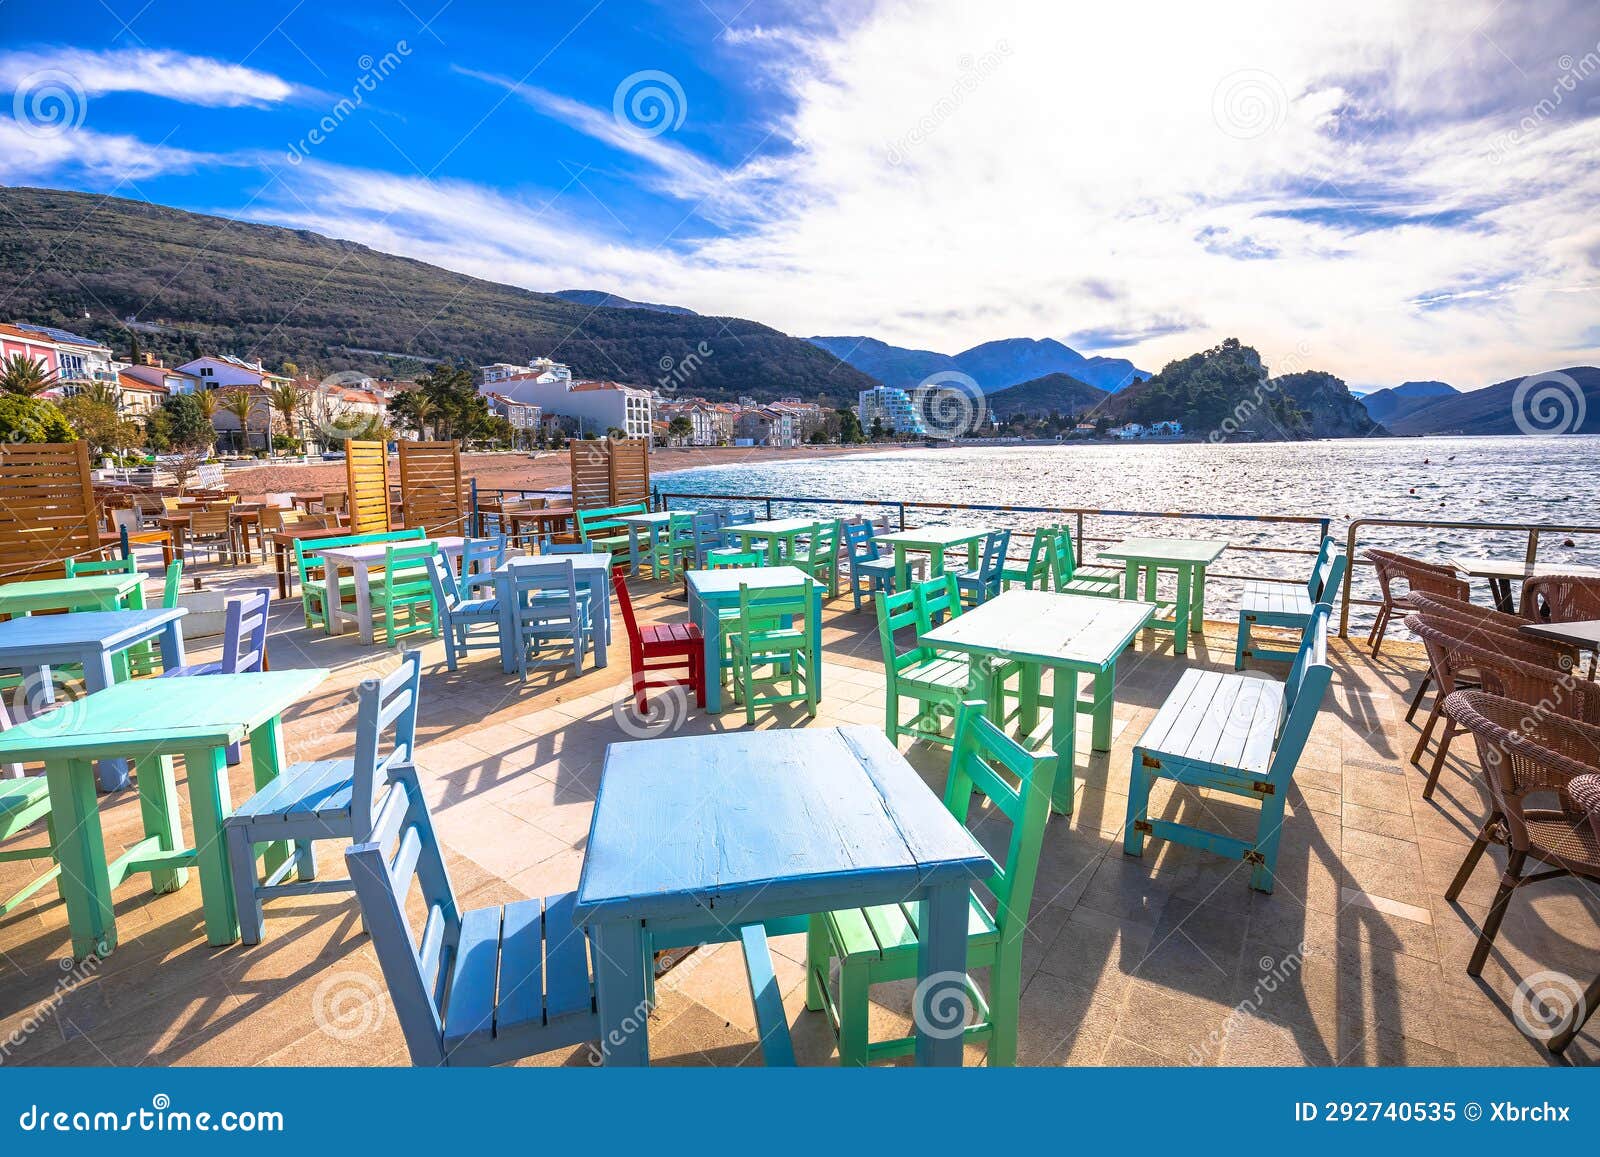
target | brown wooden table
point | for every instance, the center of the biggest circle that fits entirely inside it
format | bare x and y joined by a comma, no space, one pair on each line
240,519
1501,573
283,548
547,520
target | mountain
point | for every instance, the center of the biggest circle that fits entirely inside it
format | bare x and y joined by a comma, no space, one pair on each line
1052,394
221,286
1386,405
994,365
891,365
1558,402
1224,394
599,299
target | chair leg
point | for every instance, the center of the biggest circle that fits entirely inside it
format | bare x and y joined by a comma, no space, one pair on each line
1416,700
1138,809
817,957
1380,625
1243,642
1268,829
1438,758
246,895
1497,912
855,990
1580,1015
1470,864
1427,729
1005,1002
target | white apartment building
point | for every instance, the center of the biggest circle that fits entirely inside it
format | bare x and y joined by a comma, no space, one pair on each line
896,407
543,368
79,360
596,406
219,371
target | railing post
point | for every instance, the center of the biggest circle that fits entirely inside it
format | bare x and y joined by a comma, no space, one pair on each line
1533,546
902,508
1349,577
473,520
1078,538
769,510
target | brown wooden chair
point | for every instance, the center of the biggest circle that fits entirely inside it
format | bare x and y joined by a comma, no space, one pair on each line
211,529
1524,754
1415,575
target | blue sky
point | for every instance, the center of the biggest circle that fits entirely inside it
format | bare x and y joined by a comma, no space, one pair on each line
1387,190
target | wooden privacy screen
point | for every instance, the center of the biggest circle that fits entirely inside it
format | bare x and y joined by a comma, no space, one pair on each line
432,494
366,471
46,509
610,471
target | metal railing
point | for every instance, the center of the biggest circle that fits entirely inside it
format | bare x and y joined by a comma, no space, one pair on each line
1533,530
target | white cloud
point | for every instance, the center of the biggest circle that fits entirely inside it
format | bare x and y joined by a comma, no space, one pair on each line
191,79
27,154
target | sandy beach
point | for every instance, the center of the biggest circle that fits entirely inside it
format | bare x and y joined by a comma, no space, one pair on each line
550,470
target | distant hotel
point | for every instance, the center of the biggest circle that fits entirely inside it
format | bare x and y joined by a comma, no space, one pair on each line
900,411
593,407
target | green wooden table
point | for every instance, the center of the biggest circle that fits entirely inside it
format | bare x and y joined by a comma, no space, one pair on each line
937,541
150,721
90,592
777,537
1188,558
1070,635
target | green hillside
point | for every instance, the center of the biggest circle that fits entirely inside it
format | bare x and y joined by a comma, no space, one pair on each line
1052,394
197,283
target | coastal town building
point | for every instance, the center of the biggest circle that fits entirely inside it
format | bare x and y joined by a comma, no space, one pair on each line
79,360
154,373
895,408
766,426
15,341
543,370
218,371
136,396
595,407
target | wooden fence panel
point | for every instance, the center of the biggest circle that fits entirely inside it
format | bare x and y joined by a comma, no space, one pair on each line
366,471
591,472
630,470
46,509
432,493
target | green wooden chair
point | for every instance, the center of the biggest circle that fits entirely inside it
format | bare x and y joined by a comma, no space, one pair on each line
1069,578
820,558
143,659
1035,575
405,596
24,802
601,527
773,631
732,559
938,681
880,944
309,565
669,553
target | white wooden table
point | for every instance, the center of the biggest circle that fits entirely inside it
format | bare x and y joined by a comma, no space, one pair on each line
1070,635
359,561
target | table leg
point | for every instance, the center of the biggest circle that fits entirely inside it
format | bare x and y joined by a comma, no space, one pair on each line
502,593
331,606
85,880
363,578
816,639
941,968
209,805
1130,579
620,990
1197,609
1028,688
1180,612
633,550
1152,582
158,806
902,575
99,672
1500,591
266,761
600,619
704,615
281,559
1104,691
936,562
1064,736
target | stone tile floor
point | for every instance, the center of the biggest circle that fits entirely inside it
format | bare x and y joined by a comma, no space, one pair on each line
1167,960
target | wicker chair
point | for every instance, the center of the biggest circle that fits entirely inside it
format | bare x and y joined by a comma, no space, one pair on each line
1558,598
1525,754
1501,667
1419,577
1483,626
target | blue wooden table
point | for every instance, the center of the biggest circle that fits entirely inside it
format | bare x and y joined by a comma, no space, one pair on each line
592,572
751,826
713,591
94,640
644,530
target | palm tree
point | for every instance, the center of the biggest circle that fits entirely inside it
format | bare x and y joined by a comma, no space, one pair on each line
23,375
286,399
102,394
422,408
236,400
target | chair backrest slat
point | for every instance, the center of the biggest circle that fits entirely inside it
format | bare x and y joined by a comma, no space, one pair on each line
1303,693
244,639
384,706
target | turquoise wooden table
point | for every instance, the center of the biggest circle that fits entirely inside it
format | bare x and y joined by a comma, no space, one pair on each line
591,572
1188,558
100,592
714,591
777,537
651,526
151,720
742,828
96,641
937,541
1070,635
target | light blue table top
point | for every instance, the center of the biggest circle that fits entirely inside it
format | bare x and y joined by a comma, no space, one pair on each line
104,629
727,580
580,562
690,824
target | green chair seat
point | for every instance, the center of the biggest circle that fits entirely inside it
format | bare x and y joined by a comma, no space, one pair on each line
888,933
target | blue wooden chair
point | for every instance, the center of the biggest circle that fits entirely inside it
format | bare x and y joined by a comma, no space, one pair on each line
704,536
1287,605
980,584
547,610
480,987
480,558
463,621
23,803
870,570
1237,734
325,799
730,545
244,643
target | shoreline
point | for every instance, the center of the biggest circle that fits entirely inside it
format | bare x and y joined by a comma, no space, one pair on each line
551,471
